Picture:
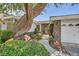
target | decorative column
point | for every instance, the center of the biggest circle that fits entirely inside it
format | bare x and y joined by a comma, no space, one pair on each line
57,29
40,27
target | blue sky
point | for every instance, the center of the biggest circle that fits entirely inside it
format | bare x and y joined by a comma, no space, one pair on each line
51,10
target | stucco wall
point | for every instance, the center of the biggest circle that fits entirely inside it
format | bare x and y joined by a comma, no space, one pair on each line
32,27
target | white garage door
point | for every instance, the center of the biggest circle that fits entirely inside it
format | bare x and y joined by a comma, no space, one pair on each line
70,31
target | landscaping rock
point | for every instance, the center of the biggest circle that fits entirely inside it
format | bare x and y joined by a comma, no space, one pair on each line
27,38
10,39
52,51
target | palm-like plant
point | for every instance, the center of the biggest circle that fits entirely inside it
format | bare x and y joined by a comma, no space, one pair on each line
6,8
10,7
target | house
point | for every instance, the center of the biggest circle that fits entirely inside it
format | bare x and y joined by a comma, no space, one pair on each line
7,21
66,28
43,25
34,25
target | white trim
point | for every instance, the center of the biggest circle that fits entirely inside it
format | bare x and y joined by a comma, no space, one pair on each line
40,28
65,17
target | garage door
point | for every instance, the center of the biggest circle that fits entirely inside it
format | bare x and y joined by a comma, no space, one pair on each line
70,31
77,33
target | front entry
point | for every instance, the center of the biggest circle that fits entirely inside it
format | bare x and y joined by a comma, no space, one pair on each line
44,29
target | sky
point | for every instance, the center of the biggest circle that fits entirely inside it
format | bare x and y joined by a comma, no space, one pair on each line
51,10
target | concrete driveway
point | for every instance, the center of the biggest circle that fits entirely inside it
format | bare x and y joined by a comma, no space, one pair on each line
73,49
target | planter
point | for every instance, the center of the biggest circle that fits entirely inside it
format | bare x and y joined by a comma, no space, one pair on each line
56,44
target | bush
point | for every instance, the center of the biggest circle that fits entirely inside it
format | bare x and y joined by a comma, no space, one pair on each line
50,29
37,29
35,35
22,48
5,35
51,40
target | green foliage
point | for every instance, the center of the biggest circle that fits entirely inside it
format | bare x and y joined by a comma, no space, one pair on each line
0,41
36,35
5,35
37,29
51,36
11,25
50,29
6,7
51,40
22,48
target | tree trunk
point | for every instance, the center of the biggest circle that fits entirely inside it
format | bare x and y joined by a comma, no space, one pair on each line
24,24
29,15
38,9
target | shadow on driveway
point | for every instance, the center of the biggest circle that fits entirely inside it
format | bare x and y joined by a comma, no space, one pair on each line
72,48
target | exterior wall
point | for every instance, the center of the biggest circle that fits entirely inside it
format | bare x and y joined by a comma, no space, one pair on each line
44,28
4,26
32,27
57,29
66,28
7,25
40,27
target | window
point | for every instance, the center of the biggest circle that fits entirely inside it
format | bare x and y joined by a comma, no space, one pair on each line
70,25
63,25
77,25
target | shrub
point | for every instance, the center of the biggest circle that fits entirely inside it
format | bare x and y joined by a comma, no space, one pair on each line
50,29
35,35
51,40
37,29
5,35
22,48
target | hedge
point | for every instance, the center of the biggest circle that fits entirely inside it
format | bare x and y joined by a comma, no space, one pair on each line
22,48
5,35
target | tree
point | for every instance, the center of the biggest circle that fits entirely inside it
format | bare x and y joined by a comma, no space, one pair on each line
24,24
10,7
6,8
31,10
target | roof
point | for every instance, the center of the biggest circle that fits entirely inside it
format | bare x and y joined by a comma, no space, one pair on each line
42,22
65,17
5,16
